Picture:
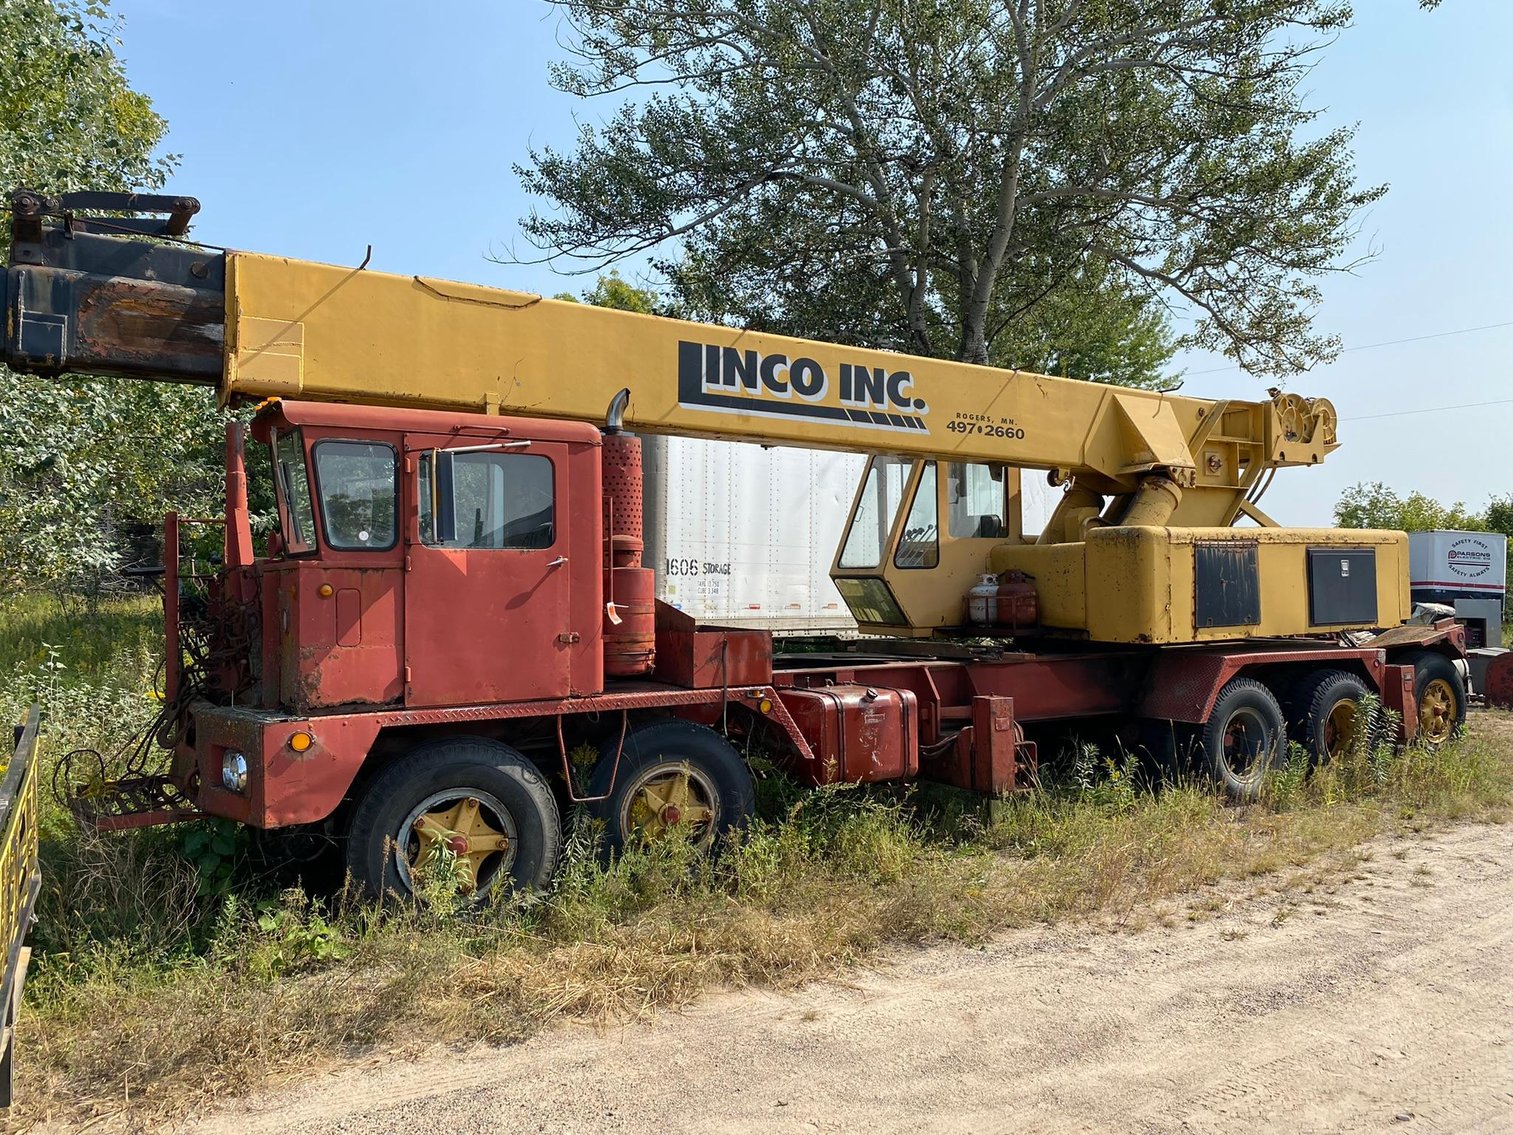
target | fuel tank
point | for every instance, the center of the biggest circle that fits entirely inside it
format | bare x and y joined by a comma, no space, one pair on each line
858,733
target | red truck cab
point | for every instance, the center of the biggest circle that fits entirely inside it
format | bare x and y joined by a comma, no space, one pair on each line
429,559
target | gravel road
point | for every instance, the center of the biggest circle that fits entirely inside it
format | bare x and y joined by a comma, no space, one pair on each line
1381,1003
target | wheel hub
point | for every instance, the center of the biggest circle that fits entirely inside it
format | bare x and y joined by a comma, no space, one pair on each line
1339,729
669,798
1244,738
465,829
1436,711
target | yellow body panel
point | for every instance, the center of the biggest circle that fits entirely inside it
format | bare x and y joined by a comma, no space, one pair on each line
1139,584
297,329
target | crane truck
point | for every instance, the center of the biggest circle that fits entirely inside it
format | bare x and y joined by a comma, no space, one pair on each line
451,634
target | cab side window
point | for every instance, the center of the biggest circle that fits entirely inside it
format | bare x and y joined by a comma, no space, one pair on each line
976,500
359,496
487,500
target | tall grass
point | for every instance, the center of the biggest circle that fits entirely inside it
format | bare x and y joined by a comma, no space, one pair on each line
160,978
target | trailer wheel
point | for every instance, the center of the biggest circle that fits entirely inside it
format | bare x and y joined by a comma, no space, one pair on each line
470,806
1244,738
673,775
1440,695
1333,714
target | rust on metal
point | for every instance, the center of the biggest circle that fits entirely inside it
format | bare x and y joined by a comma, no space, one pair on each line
1446,631
145,323
857,733
708,657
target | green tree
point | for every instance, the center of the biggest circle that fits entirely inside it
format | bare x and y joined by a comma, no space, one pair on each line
1499,514
1499,518
926,174
81,459
612,291
1094,327
1374,505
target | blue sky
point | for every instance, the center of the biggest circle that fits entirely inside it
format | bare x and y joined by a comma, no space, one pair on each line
316,129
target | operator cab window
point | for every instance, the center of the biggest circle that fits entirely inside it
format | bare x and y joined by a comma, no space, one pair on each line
919,543
975,500
359,497
487,500
876,509
292,486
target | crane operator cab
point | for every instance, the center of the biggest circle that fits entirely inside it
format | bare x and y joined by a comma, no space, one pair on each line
919,535
1155,558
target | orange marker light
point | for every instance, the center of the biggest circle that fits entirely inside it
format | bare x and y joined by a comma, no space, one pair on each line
765,705
300,742
325,591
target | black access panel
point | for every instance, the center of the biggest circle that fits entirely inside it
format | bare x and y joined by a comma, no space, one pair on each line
1341,586
1227,585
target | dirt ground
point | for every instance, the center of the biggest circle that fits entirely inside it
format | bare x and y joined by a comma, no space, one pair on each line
1381,1000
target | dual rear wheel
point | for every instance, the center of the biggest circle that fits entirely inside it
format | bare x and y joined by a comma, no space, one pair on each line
1332,714
474,817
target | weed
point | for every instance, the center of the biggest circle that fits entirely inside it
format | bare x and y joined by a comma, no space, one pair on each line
215,848
163,958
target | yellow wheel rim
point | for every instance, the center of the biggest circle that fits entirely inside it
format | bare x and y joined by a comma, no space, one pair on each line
665,798
469,829
1437,712
1339,728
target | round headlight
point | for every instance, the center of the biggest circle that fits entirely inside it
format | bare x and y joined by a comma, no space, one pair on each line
234,771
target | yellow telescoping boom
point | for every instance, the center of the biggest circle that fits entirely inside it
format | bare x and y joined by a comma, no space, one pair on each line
1143,546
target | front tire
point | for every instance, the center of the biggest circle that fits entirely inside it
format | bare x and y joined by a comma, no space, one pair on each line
1244,738
673,775
471,806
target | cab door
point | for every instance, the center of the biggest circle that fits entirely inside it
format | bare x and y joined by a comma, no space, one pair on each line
487,591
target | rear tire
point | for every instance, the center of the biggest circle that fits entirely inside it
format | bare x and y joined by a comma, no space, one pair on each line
1332,715
672,773
480,800
1440,696
1244,738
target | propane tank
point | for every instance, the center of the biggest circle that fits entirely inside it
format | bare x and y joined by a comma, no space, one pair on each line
980,599
1016,605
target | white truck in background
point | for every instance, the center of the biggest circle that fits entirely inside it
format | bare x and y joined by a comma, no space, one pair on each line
755,530
1466,571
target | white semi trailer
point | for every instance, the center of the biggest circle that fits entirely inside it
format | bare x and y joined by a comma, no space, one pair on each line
755,530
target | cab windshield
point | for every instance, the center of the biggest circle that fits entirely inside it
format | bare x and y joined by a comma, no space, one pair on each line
359,495
876,509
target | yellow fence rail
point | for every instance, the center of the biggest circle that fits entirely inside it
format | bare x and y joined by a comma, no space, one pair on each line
20,880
